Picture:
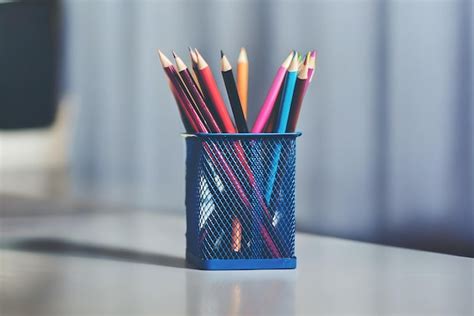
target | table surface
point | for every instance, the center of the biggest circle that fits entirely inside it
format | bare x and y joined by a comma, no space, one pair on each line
132,263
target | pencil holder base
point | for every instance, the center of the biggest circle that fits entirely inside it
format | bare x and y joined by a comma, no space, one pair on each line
240,264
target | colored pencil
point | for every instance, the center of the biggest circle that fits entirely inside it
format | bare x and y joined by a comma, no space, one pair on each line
189,111
193,70
194,92
287,95
273,119
243,79
233,95
300,91
187,126
205,94
210,86
282,122
272,94
202,110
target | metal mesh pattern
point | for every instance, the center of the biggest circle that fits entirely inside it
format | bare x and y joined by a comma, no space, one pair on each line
240,196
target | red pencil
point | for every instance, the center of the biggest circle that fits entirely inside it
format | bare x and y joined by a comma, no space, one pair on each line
205,95
191,86
298,95
210,86
194,70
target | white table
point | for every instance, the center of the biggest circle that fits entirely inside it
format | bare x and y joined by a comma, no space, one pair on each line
132,263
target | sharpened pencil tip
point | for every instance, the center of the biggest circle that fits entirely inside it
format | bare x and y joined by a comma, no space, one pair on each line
192,53
243,56
165,62
287,61
225,64
294,64
201,62
222,53
174,54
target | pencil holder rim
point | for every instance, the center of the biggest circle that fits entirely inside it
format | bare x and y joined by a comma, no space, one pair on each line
241,135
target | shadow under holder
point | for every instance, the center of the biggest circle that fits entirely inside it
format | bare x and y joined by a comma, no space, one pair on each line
240,200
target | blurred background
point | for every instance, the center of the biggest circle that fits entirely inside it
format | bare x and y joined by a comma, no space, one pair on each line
387,153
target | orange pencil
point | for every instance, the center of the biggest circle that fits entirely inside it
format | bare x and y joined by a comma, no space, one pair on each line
243,79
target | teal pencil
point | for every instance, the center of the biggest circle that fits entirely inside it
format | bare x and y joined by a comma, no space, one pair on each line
285,107
288,95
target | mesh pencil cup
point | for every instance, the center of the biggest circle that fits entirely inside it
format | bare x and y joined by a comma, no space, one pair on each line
240,201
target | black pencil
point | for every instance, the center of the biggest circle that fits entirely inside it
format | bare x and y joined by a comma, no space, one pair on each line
233,95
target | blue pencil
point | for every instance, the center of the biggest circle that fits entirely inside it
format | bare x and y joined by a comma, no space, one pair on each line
285,108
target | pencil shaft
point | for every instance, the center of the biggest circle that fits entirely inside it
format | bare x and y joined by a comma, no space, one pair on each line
273,119
196,82
290,82
207,115
190,98
235,101
211,87
297,102
269,102
179,103
242,85
286,101
188,109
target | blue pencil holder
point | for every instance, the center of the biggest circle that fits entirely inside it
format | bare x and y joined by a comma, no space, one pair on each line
240,201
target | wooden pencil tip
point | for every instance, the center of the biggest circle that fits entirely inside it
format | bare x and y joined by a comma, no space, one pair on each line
174,54
287,61
165,62
312,60
243,56
179,62
200,60
222,53
308,57
294,63
192,53
303,72
225,64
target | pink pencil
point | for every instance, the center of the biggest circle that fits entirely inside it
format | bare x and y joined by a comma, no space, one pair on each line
272,95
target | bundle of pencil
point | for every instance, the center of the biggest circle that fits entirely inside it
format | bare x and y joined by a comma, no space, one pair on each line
203,110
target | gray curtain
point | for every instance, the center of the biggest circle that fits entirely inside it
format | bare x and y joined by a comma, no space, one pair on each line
387,152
